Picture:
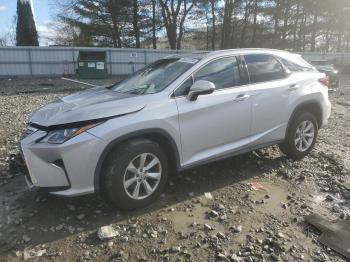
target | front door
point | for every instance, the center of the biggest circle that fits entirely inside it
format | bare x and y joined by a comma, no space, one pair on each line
217,124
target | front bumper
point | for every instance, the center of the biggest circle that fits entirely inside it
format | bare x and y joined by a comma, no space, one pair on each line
62,169
17,165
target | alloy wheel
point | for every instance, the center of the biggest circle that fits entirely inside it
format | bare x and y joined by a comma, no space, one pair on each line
304,136
142,176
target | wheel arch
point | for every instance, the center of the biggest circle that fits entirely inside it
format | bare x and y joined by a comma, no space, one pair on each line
312,106
158,135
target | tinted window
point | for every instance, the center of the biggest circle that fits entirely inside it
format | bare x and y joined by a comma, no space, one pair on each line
294,67
263,68
184,88
222,72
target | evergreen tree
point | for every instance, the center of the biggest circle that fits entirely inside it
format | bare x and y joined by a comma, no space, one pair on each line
26,33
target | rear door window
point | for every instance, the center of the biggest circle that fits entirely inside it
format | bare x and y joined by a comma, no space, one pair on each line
264,68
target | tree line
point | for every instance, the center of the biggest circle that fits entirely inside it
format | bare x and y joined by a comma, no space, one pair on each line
297,25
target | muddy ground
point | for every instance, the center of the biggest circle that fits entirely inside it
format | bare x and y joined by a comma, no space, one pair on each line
237,224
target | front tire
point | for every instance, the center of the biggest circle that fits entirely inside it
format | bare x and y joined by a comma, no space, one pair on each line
301,136
135,174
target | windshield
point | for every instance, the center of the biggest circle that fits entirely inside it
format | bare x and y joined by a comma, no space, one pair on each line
155,77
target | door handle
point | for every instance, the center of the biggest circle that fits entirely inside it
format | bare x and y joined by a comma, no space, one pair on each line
293,87
241,97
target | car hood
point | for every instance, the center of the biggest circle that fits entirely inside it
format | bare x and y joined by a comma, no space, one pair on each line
92,104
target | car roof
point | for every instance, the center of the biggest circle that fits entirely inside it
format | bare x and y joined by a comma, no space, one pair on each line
248,51
218,53
190,55
291,57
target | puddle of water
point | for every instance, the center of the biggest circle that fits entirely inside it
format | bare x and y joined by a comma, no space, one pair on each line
183,221
276,197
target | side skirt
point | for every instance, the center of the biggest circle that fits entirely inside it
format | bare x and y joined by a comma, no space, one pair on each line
239,152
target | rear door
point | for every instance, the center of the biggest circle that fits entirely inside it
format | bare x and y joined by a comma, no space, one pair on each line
219,123
271,86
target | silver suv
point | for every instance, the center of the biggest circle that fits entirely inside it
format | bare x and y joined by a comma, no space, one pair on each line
180,112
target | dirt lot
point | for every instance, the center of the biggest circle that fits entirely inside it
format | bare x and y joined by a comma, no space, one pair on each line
238,224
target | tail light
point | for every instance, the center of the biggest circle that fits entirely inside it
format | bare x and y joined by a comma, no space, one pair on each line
325,81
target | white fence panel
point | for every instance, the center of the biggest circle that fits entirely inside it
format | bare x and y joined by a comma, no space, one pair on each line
40,61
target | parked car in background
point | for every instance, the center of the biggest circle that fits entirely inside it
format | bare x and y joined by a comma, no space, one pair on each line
182,111
329,69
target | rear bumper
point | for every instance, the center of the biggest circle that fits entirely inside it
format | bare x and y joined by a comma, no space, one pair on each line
334,80
327,109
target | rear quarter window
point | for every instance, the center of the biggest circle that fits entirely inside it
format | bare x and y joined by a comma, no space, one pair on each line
264,68
295,67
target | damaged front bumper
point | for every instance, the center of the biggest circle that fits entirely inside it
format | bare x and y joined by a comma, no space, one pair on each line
39,170
18,166
65,169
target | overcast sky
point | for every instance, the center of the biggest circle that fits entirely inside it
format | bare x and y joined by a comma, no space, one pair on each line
43,16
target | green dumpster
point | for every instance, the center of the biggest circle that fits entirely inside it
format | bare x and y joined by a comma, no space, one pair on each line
92,64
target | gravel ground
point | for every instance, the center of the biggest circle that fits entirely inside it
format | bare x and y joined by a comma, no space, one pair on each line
206,214
9,86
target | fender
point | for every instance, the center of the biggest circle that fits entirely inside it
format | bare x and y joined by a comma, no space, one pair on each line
111,145
301,105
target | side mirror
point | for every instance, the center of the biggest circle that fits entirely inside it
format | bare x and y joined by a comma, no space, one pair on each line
200,87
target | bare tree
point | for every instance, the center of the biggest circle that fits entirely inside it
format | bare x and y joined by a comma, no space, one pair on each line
174,14
3,41
154,38
227,26
135,22
297,25
213,17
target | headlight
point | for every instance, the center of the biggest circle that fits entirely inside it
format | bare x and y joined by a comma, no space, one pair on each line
62,135
28,131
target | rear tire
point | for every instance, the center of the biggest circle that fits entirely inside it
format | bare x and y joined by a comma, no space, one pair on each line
301,136
135,174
